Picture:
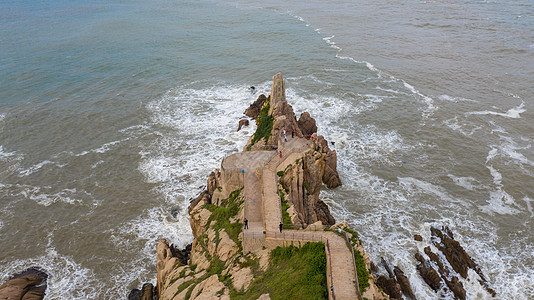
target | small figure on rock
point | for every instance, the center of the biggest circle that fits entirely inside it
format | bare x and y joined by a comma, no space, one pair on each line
281,225
246,223
252,90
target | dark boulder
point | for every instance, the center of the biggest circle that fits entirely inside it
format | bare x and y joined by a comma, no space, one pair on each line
389,286
242,123
404,283
418,237
29,284
430,276
254,109
147,291
456,287
134,294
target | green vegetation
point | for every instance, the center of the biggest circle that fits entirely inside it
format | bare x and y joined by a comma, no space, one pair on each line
307,187
293,273
264,122
363,274
280,173
286,219
221,215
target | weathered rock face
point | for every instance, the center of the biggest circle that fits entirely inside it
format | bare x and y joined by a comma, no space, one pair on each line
242,123
301,182
254,109
456,257
330,176
165,263
307,124
29,284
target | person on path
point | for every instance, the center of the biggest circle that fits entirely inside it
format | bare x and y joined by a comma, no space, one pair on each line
246,223
285,138
292,134
280,154
281,225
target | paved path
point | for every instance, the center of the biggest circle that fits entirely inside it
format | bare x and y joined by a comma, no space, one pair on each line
264,212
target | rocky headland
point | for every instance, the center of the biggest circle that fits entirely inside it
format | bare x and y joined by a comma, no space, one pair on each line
261,230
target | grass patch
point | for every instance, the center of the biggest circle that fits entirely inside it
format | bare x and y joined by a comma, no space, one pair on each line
307,187
280,173
286,219
293,273
221,216
265,124
363,274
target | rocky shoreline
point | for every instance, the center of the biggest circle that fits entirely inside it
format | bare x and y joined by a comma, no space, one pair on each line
223,263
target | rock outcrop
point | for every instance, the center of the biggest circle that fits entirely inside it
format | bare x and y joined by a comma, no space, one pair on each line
243,122
254,109
444,277
307,124
217,264
29,284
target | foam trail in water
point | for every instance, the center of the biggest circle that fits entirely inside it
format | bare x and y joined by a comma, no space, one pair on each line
513,113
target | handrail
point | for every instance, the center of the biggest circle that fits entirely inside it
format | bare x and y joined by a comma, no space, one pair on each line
354,265
331,272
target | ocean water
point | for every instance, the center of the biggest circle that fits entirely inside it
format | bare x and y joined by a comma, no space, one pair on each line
113,113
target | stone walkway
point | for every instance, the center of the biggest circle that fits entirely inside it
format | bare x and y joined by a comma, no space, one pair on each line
264,212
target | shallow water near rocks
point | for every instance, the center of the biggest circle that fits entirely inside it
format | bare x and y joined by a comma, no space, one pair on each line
112,115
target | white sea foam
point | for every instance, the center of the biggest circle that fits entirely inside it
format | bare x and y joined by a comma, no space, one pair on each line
513,113
499,201
197,127
9,156
429,188
468,183
455,99
34,168
462,128
67,278
102,149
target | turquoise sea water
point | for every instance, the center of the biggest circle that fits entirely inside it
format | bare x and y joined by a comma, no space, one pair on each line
113,113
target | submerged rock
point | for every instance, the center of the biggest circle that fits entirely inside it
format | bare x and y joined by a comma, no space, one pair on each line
242,123
29,284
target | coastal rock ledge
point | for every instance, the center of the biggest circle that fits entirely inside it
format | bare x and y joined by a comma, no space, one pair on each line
252,223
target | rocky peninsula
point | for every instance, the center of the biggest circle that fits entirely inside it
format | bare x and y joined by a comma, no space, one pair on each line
261,230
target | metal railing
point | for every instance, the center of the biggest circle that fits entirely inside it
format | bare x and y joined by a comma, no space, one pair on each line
331,272
353,264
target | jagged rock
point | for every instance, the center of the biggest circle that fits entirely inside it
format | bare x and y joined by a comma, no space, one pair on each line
404,283
241,278
209,288
307,124
418,237
390,287
453,251
430,276
330,175
457,288
29,284
165,263
242,123
147,291
434,257
284,119
254,109
198,219
134,294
